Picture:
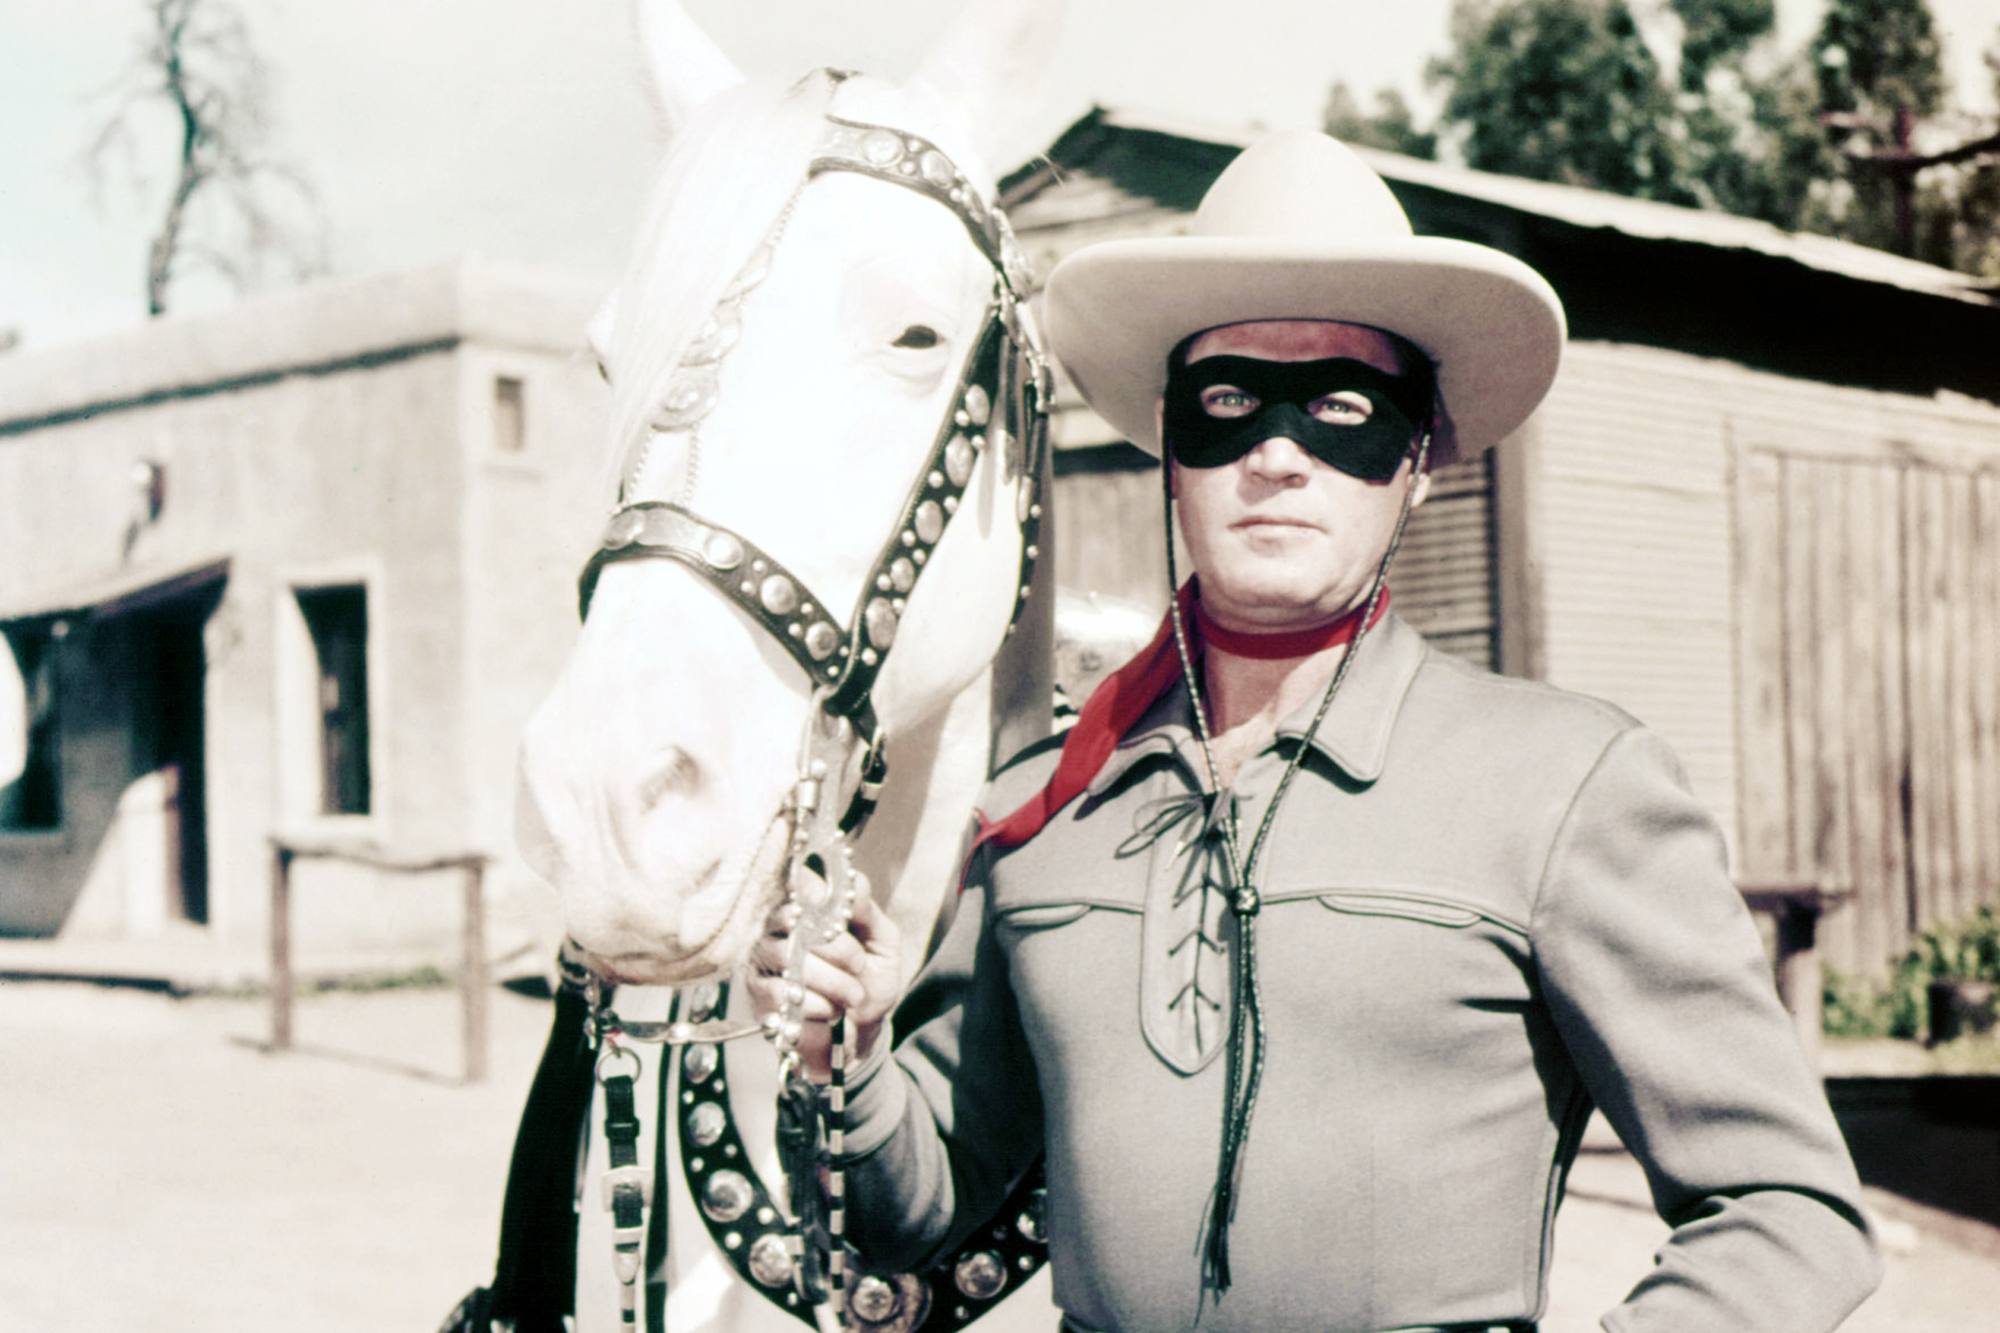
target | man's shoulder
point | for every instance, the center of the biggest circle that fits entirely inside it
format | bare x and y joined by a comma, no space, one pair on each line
1484,708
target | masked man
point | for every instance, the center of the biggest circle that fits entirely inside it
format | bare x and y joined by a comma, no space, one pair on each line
1305,956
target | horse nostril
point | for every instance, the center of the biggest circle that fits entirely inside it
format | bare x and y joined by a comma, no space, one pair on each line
676,774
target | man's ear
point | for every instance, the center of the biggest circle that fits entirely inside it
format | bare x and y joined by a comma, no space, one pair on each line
1420,485
1160,436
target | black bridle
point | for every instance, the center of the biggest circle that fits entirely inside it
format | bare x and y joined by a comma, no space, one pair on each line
1001,402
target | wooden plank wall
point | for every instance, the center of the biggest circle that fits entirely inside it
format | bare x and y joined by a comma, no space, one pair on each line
1868,588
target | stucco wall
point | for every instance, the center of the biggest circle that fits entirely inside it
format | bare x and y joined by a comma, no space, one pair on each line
325,439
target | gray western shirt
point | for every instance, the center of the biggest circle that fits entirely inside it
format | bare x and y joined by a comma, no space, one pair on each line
1487,906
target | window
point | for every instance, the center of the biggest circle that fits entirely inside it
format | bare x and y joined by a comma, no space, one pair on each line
338,621
31,800
510,416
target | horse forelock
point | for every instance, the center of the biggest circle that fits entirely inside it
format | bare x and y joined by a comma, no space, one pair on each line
726,176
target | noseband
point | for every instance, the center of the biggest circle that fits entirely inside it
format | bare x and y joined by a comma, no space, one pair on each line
1001,402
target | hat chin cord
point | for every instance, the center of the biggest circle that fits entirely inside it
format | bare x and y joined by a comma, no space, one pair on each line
1245,1057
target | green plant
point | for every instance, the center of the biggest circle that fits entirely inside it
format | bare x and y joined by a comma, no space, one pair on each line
1968,952
1853,1006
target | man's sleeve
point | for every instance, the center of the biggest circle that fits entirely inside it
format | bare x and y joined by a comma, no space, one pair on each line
1659,985
938,1133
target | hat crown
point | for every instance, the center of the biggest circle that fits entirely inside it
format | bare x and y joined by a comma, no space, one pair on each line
1302,185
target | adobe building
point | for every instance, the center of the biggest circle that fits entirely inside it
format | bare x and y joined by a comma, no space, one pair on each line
1760,510
299,568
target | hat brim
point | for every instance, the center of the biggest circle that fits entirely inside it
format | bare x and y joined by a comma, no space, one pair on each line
1492,325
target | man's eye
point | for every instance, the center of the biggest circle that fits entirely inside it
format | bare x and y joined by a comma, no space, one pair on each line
1345,408
917,336
1226,401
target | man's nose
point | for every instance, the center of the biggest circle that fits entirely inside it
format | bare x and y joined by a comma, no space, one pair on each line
1279,458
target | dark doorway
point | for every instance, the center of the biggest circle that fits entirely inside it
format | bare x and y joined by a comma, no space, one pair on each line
170,723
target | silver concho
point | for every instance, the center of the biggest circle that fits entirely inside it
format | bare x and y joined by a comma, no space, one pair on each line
880,618
929,521
726,1196
902,574
700,1062
821,640
889,1305
873,1300
778,595
691,395
1031,1223
881,148
936,168
769,1261
981,1275
706,1123
978,404
958,460
723,552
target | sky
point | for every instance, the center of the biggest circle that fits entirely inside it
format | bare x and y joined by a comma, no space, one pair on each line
518,129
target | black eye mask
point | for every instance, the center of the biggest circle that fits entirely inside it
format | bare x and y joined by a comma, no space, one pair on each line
1371,450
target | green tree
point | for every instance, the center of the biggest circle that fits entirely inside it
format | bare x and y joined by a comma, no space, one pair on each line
1691,102
1560,90
1391,125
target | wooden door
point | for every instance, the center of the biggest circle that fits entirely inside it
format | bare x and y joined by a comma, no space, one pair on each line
1867,593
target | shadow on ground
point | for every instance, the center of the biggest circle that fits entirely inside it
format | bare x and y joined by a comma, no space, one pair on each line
1932,1140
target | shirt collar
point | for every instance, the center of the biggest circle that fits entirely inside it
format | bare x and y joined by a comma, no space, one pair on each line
1354,735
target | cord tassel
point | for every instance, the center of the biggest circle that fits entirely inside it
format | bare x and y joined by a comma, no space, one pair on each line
1245,1063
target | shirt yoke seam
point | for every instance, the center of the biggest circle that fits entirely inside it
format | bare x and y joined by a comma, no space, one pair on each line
1568,817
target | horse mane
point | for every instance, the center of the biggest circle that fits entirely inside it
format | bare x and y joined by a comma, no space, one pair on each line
725,178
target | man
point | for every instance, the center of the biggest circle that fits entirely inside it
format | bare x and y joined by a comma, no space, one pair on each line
1306,980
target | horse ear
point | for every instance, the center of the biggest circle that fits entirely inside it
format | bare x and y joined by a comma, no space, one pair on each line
988,62
685,66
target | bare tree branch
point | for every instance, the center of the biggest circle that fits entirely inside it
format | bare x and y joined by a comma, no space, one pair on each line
231,205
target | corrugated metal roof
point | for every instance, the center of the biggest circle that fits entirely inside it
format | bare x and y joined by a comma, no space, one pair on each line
1595,208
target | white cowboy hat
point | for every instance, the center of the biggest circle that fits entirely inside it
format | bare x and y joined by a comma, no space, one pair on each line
1299,227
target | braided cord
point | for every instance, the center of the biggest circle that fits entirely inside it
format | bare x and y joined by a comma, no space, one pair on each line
1244,1069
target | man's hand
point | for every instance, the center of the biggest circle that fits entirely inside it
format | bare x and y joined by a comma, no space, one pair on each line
858,972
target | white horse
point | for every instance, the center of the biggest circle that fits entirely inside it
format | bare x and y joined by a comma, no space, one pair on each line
791,337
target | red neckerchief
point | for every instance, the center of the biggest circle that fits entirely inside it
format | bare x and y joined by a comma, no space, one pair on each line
1123,697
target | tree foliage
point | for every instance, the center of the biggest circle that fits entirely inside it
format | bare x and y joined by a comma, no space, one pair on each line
232,208
1392,125
1561,90
1692,102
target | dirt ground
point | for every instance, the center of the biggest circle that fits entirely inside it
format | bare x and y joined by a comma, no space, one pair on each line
161,1171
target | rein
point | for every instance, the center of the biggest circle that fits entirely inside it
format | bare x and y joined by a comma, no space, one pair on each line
1001,401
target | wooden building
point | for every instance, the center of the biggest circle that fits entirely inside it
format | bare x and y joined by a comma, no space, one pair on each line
303,568
1760,510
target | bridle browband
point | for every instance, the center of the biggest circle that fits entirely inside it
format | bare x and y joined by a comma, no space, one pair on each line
1001,401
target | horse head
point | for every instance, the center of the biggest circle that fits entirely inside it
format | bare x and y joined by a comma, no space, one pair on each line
813,368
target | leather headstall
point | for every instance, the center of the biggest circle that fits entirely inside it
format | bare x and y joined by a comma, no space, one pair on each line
1001,402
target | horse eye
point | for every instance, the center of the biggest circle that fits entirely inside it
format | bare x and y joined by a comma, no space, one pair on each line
917,336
